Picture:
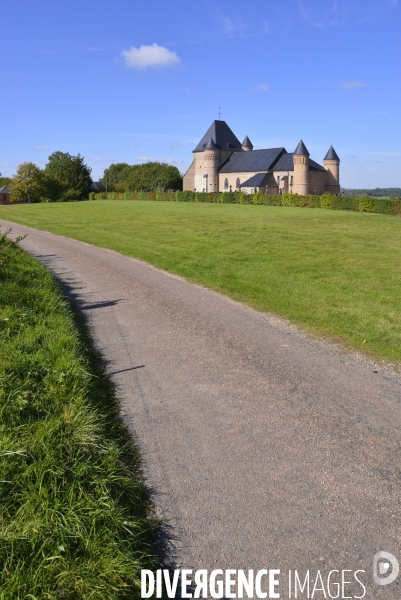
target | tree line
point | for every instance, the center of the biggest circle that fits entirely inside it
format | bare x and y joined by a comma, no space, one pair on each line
151,176
374,193
66,177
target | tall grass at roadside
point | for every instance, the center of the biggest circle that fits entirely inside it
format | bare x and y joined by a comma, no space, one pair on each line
72,502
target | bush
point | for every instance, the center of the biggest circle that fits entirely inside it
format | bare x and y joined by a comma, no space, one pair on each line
366,204
258,198
386,206
243,198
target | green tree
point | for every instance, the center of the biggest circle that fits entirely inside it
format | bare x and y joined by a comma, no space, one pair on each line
27,183
4,180
115,177
153,176
67,177
150,176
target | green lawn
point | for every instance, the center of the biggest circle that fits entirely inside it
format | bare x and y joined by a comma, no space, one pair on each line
72,501
335,273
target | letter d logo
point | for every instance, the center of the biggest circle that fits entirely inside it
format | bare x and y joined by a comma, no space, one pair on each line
381,564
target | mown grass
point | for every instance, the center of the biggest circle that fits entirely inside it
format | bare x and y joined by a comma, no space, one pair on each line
72,500
332,272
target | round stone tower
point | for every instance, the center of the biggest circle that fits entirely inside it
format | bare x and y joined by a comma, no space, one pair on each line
211,157
301,170
331,163
247,144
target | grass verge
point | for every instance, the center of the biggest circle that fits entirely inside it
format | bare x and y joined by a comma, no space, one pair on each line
335,273
73,504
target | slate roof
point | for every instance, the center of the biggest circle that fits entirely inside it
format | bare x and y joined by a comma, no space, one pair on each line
247,142
5,189
211,145
301,149
331,154
286,163
260,180
222,136
256,160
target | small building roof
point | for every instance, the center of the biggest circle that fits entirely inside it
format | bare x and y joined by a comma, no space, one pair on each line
211,145
5,189
301,149
222,135
257,160
286,163
331,154
247,143
260,180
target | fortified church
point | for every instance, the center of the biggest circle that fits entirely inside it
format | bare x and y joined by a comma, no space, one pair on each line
222,164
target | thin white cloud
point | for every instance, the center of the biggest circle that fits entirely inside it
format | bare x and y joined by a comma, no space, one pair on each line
146,57
353,84
233,26
309,19
396,154
146,158
87,48
260,88
41,147
334,17
96,159
8,166
175,144
176,162
230,26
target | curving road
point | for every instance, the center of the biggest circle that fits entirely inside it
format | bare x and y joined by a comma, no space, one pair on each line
264,448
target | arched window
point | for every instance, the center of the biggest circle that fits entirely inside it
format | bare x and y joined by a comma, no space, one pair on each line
278,181
226,184
238,183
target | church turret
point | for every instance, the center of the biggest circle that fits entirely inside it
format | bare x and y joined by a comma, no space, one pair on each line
211,157
217,144
331,163
301,170
247,144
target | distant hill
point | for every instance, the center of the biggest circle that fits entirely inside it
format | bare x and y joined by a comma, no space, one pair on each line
376,193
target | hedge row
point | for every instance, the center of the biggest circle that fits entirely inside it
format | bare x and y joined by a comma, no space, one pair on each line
386,206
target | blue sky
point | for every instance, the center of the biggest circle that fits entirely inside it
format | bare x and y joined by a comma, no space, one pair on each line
130,81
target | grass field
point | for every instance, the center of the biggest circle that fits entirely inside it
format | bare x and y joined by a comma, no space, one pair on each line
335,273
72,501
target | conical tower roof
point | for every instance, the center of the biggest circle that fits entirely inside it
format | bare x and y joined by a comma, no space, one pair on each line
211,145
331,154
247,143
301,149
222,136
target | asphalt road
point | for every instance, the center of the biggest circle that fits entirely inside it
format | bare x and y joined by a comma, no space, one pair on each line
264,449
